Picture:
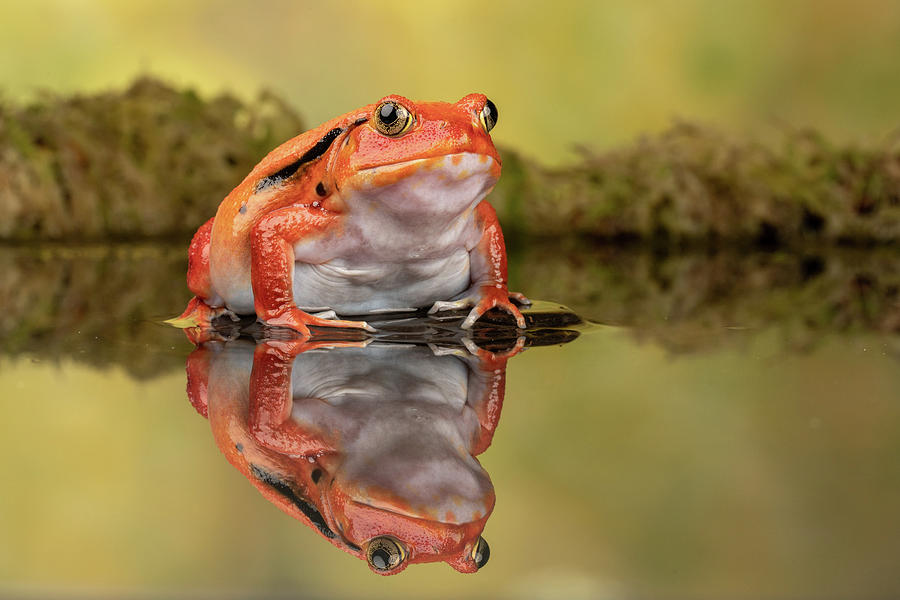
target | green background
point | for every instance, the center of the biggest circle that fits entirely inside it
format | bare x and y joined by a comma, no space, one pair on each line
563,73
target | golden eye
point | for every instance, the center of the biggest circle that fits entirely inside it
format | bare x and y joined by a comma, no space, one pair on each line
392,119
385,554
481,552
489,116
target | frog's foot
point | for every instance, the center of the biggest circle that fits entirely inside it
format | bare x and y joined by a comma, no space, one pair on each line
490,360
487,297
483,303
299,321
199,314
493,298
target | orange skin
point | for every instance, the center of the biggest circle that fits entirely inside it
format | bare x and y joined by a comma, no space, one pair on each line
252,426
250,243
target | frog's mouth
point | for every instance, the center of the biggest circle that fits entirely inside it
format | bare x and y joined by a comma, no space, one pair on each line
447,185
454,163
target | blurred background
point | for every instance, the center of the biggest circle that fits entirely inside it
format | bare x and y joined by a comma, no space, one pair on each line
563,74
738,436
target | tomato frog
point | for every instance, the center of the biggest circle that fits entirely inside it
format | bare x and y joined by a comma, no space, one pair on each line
380,209
372,447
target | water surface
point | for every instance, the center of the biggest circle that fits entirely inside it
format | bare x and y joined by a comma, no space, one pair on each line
732,430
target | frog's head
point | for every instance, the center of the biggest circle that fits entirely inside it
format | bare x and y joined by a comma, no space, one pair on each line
411,510
389,519
409,157
396,156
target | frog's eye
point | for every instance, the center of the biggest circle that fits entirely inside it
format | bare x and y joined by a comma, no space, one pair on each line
489,115
481,552
392,119
385,554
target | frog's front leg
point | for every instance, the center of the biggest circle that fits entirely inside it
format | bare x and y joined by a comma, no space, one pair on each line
272,267
487,386
271,401
487,272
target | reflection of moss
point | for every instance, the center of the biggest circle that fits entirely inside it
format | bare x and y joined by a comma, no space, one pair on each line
146,162
96,305
154,161
102,305
695,301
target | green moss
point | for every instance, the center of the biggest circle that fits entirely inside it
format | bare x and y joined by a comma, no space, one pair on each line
149,161
154,161
692,183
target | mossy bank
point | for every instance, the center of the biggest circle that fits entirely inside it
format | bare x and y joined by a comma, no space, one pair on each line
153,161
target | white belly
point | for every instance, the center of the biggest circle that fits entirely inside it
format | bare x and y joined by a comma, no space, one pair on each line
399,246
351,289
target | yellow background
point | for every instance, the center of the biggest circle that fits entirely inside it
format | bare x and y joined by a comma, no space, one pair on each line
562,72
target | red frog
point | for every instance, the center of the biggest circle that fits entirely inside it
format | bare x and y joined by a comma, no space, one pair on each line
380,209
373,447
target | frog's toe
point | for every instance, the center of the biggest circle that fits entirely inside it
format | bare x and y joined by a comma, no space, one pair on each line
520,298
447,351
441,305
325,314
335,322
356,325
473,316
329,318
515,312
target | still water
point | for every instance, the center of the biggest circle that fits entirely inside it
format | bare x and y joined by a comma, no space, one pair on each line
731,429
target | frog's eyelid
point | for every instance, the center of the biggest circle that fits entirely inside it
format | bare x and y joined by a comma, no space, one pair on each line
320,148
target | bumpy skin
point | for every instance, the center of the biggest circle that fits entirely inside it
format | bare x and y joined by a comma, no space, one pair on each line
344,217
340,460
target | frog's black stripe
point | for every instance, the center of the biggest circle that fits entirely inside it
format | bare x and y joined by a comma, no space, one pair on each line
310,155
285,490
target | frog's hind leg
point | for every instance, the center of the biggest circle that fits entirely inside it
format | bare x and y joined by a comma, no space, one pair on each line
198,278
201,310
198,364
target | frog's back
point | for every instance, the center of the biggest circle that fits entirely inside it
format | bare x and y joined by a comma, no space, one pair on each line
262,192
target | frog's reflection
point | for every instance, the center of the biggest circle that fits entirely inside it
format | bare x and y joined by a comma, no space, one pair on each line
374,447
